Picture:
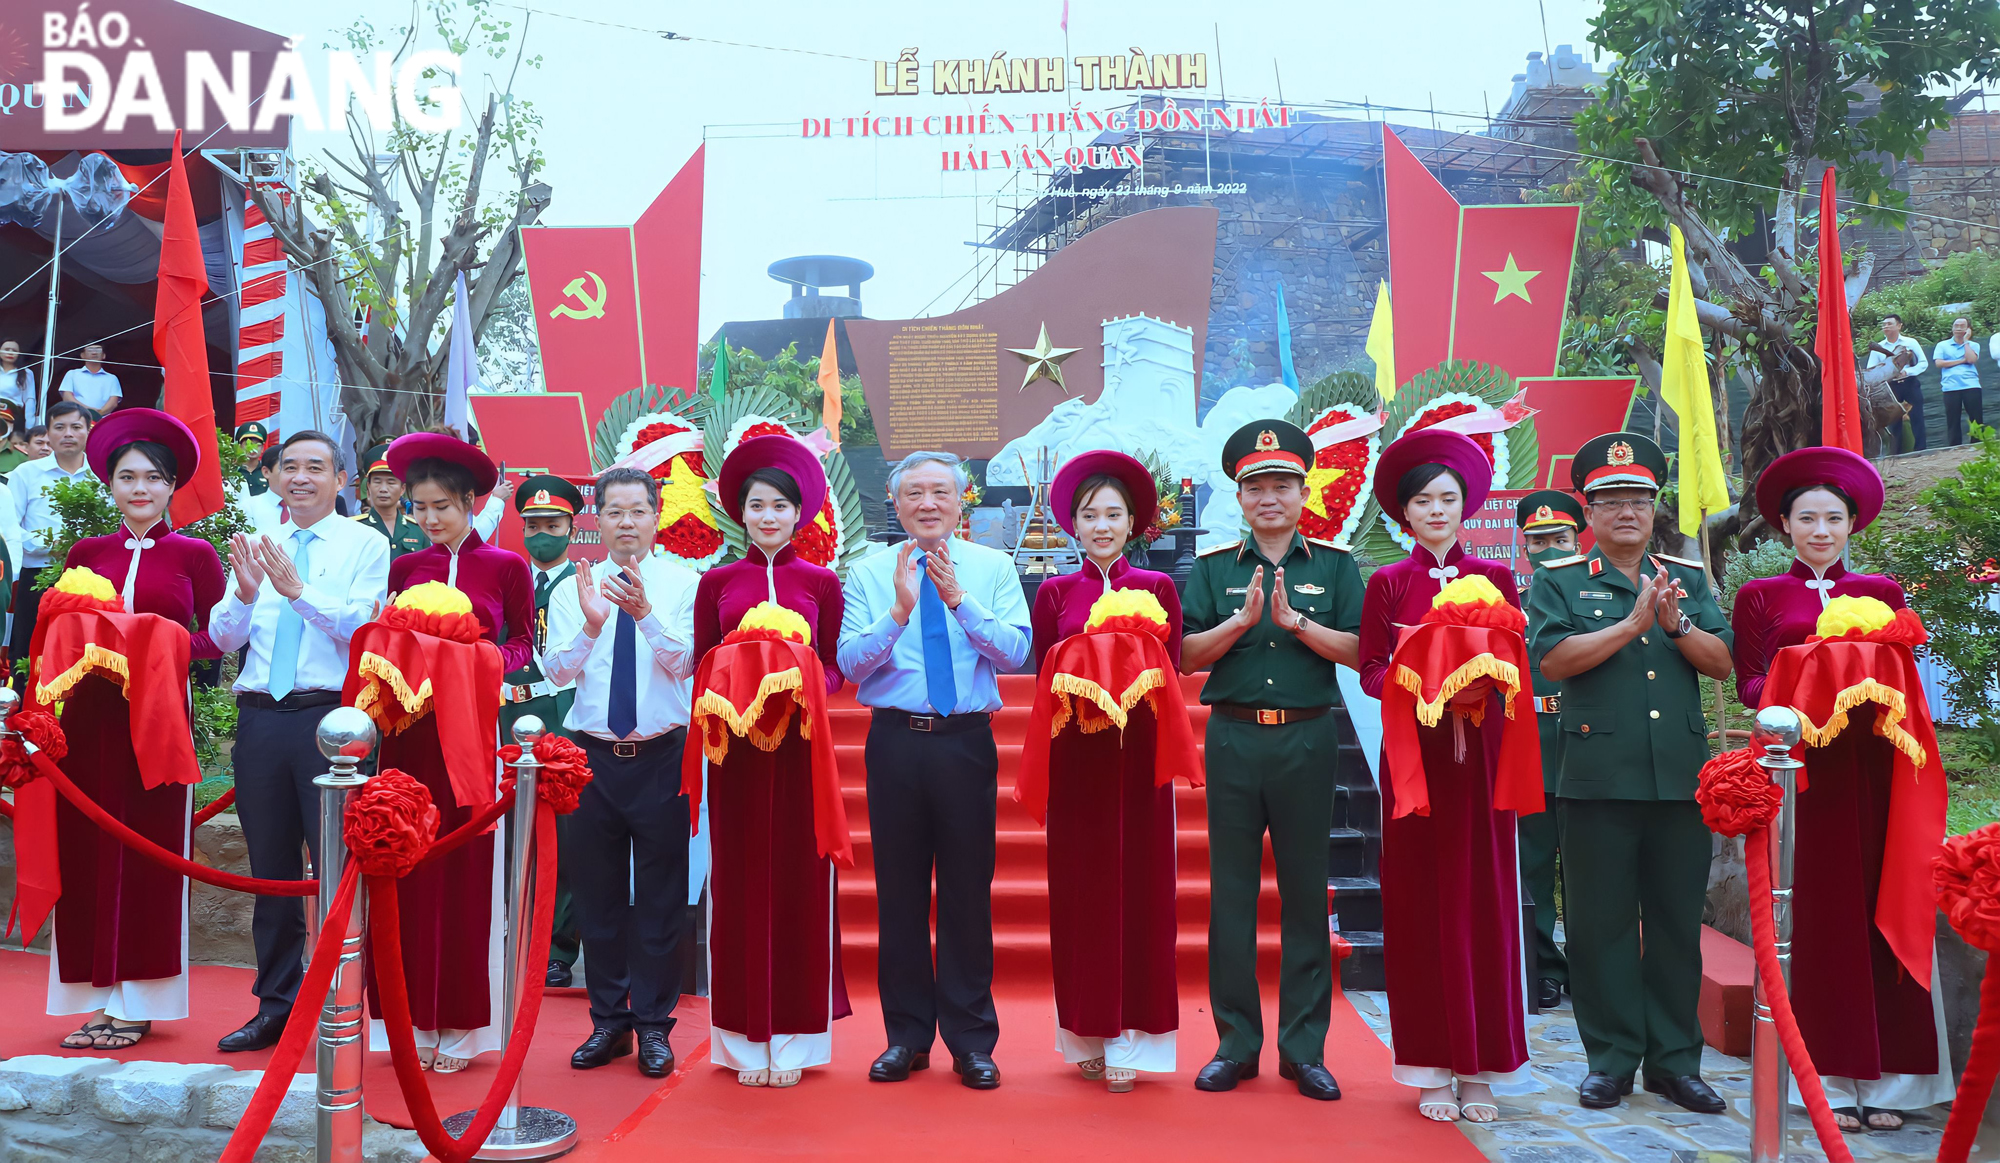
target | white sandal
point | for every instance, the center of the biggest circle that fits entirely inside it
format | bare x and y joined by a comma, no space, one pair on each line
1119,1080
786,1077
446,1064
1446,1106
1093,1069
753,1078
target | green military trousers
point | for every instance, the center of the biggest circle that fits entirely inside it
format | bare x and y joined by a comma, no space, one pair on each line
1280,779
1538,870
1624,860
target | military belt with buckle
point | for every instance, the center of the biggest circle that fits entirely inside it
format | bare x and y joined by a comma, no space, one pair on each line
1548,705
1270,716
522,692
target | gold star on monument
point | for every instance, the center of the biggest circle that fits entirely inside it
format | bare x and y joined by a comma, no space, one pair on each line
1510,281
1044,361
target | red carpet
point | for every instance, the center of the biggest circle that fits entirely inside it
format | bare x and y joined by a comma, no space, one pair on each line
220,1001
1043,1110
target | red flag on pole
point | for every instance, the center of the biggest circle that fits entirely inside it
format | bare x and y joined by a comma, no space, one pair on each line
181,348
1840,402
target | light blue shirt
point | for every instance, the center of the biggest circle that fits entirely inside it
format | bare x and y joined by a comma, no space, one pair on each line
989,631
1965,376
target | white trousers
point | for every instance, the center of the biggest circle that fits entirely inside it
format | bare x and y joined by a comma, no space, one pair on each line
1130,1050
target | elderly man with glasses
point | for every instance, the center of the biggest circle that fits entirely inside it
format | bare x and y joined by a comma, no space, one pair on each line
1629,634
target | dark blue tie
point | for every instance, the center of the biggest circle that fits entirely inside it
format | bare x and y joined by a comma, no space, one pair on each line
939,682
622,716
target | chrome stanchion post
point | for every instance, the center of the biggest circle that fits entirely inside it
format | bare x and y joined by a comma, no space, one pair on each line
346,736
522,1132
1776,731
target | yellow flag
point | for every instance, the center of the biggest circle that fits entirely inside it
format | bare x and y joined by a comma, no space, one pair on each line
1684,387
829,387
1381,346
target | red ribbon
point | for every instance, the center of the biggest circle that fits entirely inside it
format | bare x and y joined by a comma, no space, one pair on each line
1967,876
222,803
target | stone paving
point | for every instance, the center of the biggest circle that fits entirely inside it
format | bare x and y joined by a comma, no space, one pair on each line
1540,1121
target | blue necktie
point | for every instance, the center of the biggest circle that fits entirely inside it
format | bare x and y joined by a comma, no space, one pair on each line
291,627
622,716
939,682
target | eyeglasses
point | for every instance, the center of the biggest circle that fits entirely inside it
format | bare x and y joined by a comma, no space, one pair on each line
615,516
1624,506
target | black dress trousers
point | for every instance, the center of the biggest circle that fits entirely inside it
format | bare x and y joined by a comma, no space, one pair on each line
932,799
628,875
277,758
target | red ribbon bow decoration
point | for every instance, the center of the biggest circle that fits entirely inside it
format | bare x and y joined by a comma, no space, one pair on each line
565,771
391,823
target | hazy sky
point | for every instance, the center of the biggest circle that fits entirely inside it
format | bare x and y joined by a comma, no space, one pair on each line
624,108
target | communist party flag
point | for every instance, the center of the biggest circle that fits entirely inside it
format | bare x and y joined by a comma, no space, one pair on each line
1839,393
180,346
1513,285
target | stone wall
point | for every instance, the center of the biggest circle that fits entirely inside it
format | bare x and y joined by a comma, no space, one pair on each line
102,1110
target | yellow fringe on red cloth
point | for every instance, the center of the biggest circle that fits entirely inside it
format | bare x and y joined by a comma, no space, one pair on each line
713,709
1430,712
409,704
1888,724
1095,708
96,659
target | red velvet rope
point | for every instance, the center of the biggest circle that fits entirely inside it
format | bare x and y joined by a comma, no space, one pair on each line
284,1062
1764,943
1976,1087
223,803
385,940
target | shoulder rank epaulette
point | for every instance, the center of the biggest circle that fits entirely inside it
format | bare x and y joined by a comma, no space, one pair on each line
1216,549
1329,545
357,516
1559,562
1680,561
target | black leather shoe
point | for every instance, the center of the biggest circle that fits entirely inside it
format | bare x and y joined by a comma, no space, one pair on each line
1600,1091
977,1071
1689,1091
1224,1073
259,1033
559,976
1548,993
896,1063
1313,1078
656,1058
601,1047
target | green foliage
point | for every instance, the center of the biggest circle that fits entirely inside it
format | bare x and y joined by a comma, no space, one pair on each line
798,380
1963,278
1938,551
1764,559
214,721
1736,97
84,509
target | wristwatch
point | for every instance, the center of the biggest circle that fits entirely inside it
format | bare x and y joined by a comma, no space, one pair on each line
1686,625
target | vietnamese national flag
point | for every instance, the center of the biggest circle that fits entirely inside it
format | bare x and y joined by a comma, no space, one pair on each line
182,349
1513,286
1423,242
1833,342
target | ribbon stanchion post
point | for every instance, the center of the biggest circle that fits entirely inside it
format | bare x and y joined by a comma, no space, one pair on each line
522,1132
1776,731
346,736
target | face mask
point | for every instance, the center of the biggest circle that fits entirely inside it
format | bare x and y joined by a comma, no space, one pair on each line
546,546
1550,554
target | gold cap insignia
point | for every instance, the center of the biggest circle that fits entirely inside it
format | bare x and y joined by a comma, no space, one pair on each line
1544,513
541,497
1620,453
1267,441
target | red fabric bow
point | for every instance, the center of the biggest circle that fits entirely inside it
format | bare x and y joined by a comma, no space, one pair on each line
1439,659
460,627
1091,681
39,728
1905,628
391,823
398,675
1966,873
565,771
1492,615
1736,795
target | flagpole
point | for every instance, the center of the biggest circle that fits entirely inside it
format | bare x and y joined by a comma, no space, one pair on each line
49,327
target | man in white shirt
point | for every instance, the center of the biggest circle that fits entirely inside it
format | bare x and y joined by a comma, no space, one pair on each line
295,602
1908,388
35,518
487,520
624,634
92,386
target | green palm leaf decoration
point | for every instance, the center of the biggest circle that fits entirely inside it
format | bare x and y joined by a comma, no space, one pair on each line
618,417
718,417
1425,391
1350,387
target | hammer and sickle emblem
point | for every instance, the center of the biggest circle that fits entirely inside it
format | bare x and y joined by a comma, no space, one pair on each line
593,305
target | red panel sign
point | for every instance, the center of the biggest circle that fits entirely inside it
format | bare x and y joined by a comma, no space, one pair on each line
667,243
1571,412
586,310
1423,240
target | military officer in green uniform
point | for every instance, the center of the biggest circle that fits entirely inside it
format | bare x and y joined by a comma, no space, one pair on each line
253,436
1269,618
1628,634
1549,520
382,508
548,506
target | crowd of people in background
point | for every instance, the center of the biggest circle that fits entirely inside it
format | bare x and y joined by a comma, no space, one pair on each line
1957,359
